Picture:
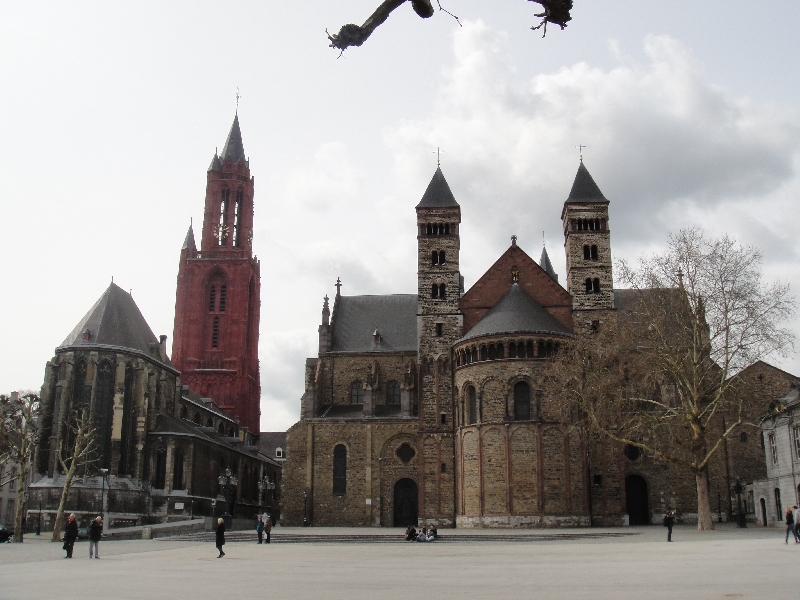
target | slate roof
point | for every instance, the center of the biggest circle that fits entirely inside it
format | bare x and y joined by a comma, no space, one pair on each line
114,320
269,441
167,424
438,194
233,148
584,189
545,263
215,164
516,312
356,318
188,242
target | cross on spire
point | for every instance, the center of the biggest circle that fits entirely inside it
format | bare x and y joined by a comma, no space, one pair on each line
580,148
338,286
513,240
237,99
438,158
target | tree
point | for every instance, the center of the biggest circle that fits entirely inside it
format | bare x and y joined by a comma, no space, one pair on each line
555,11
81,455
20,412
663,379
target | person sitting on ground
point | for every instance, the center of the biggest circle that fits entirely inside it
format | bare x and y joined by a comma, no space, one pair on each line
422,536
411,533
433,532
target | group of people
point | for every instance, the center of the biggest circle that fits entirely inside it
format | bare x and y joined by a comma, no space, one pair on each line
423,535
262,526
71,534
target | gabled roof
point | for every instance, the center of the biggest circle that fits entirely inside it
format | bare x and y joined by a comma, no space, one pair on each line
357,317
114,320
545,263
438,194
233,148
188,242
584,189
516,312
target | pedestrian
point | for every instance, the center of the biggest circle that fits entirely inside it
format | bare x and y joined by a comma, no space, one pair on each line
220,536
260,529
70,535
790,527
95,533
796,515
669,522
268,526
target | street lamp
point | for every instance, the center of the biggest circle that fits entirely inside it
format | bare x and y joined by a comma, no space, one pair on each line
264,486
305,509
104,473
228,482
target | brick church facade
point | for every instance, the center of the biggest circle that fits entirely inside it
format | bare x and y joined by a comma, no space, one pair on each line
427,407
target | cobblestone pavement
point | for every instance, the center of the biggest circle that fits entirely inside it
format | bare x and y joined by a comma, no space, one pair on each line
727,563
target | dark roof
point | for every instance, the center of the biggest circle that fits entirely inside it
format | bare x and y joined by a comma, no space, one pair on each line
357,317
188,242
215,164
516,312
269,441
114,320
545,263
584,189
438,194
233,148
167,424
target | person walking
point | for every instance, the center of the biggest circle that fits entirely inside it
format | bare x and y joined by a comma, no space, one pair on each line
70,535
790,527
669,523
95,533
260,529
220,536
268,526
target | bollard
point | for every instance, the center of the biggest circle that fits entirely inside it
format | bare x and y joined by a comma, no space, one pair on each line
147,533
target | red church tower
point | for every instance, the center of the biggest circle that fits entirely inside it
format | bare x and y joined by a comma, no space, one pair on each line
217,303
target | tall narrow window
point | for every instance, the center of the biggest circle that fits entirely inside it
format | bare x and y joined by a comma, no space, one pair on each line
441,257
126,455
522,401
222,232
586,253
778,507
212,298
392,393
594,252
356,393
177,471
104,406
773,449
797,442
596,286
215,333
340,470
434,258
237,219
442,289
472,397
434,291
160,469
223,297
588,285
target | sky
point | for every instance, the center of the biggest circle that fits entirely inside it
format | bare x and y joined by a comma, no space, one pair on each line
110,113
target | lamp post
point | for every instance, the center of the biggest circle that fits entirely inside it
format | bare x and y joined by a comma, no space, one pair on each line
228,482
104,473
264,486
305,509
741,521
39,520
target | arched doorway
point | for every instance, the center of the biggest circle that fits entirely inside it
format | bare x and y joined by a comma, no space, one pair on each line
636,500
405,503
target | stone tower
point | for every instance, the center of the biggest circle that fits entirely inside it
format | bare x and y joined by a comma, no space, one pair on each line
217,304
439,325
587,242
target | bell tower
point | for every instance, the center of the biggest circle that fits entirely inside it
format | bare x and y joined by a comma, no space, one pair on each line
217,304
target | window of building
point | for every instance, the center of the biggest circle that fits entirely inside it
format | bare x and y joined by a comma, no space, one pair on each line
104,407
444,468
12,482
209,422
773,449
356,393
177,471
441,257
778,506
442,419
797,441
215,333
442,290
434,258
221,429
237,218
196,419
223,217
598,480
439,329
223,297
160,469
588,283
522,401
340,470
595,286
586,253
278,452
392,393
743,437
594,253
472,397
212,298
434,291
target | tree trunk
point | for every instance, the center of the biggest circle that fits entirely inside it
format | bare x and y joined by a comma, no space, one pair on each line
704,520
23,477
64,494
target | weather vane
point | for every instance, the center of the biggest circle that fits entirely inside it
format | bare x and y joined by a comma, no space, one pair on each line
580,148
438,158
237,99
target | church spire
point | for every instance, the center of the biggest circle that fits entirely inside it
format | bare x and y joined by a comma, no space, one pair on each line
545,263
233,148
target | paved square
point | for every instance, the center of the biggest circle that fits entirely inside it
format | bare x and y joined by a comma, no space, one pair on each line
727,563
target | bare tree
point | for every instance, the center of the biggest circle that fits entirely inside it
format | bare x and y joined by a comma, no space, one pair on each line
20,412
554,11
81,455
663,379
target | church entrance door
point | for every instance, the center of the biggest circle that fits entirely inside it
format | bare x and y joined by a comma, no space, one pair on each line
405,503
636,500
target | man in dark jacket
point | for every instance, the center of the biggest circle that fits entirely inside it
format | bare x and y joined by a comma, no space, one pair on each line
70,535
95,533
669,522
220,536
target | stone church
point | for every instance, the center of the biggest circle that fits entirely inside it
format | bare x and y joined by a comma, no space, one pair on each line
427,407
168,428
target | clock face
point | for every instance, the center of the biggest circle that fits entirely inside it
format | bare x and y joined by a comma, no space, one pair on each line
221,232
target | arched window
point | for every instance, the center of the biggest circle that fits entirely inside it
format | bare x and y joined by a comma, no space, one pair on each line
184,412
529,349
223,217
223,298
522,401
231,431
441,257
221,429
447,228
594,252
196,419
104,406
434,291
340,470
215,333
541,349
209,422
778,506
356,393
392,393
237,218
492,352
588,285
428,229
434,258
472,398
586,253
512,350
442,289
126,455
160,469
212,298
177,471
484,353
596,286
500,354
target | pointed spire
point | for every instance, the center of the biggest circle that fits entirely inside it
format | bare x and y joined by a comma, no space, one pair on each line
584,189
215,165
438,194
233,148
545,263
188,242
326,312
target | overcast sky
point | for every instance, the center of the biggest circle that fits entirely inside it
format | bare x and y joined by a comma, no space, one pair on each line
111,112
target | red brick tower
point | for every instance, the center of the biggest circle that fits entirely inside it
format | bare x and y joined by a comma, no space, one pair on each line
217,303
